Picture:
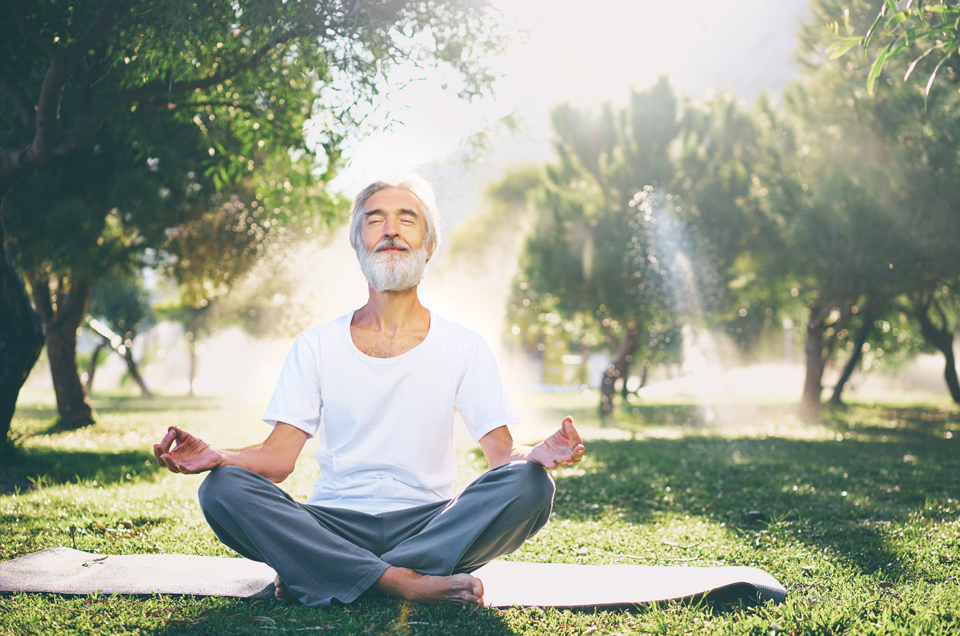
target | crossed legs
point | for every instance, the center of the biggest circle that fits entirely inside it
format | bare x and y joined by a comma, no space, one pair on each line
424,553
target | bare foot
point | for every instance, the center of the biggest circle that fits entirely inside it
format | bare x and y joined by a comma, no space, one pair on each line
421,588
282,592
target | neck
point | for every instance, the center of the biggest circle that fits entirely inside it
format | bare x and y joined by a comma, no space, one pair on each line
392,311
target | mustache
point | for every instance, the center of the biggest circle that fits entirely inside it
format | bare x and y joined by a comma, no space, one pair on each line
395,243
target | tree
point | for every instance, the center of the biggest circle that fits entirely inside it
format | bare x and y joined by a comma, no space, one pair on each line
122,303
920,27
68,70
592,261
937,313
863,191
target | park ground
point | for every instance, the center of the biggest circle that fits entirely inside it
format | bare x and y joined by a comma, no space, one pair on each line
857,514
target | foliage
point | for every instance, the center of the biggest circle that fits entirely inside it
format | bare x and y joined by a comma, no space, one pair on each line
859,192
734,245
123,302
599,258
200,58
861,521
922,26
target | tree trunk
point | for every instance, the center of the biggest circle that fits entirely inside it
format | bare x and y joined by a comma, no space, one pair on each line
92,365
816,361
855,356
644,375
62,323
942,339
950,373
21,337
627,347
135,373
625,375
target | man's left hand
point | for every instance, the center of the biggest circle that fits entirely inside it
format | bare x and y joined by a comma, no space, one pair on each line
560,449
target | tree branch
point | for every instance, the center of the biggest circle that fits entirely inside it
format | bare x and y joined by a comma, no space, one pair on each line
824,312
87,124
942,314
235,104
86,93
40,291
608,334
92,37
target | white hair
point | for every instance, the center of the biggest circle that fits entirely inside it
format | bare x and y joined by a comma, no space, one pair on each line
415,185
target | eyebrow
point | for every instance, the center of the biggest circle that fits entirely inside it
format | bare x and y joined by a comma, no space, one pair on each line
412,213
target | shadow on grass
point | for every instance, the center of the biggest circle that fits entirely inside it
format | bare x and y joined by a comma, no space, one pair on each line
26,469
125,404
235,616
832,495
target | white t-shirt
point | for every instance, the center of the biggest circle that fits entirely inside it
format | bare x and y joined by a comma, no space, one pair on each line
385,425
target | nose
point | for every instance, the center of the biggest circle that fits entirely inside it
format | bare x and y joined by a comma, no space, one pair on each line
391,228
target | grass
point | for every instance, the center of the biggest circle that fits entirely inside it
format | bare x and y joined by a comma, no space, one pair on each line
858,515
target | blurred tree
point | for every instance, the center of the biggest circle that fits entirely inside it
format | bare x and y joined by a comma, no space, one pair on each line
863,192
912,30
240,75
592,259
937,313
733,244
121,302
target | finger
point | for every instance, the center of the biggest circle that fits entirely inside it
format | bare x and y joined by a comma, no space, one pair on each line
170,463
162,458
157,452
167,440
570,431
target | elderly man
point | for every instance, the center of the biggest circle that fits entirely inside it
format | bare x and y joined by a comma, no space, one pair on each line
379,388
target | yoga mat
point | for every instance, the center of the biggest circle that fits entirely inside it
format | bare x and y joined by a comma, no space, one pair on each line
66,571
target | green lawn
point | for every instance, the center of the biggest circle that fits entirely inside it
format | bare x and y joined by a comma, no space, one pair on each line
859,519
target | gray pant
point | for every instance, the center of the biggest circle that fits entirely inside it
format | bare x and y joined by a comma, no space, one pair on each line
332,554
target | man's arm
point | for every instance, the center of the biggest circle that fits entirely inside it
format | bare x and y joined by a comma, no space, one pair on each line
274,458
560,449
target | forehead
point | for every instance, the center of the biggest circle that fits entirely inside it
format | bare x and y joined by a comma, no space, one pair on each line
392,200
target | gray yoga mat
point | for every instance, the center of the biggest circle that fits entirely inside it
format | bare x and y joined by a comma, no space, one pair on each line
66,571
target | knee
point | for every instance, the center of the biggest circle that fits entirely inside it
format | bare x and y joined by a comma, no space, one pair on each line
531,483
219,488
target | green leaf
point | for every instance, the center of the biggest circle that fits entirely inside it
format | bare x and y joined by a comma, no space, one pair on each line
898,18
934,74
897,49
914,63
869,35
877,67
843,48
943,8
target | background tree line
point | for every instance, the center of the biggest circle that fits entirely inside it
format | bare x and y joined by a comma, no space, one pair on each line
837,206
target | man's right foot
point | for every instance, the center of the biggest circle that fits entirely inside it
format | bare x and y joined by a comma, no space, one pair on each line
421,588
282,592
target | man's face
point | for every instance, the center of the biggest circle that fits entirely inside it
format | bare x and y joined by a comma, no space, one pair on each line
392,256
390,213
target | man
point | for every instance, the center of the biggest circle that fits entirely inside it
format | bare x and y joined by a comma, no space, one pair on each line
379,388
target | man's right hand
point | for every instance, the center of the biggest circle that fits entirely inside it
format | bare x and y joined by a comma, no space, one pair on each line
191,455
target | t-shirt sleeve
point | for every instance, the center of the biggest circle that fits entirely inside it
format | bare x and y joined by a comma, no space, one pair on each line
296,399
482,399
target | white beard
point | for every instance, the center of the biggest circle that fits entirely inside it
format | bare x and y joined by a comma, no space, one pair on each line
392,271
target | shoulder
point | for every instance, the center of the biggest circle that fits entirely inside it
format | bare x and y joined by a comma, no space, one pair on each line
455,333
317,336
462,344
